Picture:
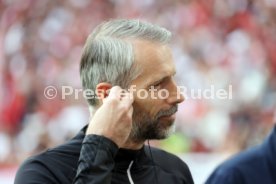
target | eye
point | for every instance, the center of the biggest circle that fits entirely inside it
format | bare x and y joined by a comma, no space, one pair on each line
156,85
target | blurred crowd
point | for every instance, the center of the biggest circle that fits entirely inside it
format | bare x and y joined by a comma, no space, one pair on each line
229,44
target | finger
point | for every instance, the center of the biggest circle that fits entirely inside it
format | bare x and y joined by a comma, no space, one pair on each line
130,112
114,93
127,98
125,94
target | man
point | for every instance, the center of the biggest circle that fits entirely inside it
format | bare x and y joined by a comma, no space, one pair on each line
135,56
254,166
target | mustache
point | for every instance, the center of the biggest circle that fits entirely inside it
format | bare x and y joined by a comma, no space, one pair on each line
168,112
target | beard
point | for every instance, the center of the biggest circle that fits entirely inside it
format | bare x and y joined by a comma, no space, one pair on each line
146,127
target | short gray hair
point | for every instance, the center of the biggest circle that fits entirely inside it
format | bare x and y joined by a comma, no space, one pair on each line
108,54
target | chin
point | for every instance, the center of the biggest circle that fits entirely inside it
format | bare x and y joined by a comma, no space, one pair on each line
165,133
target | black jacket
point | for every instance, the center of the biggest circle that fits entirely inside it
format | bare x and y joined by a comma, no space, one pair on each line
95,159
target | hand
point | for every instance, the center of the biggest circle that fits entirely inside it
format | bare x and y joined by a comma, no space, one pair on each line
114,118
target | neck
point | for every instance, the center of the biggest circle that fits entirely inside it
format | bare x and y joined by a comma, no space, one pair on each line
133,145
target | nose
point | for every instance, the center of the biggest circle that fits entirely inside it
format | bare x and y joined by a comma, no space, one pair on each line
175,95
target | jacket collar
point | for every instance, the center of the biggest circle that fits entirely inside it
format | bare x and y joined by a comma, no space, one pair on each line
123,156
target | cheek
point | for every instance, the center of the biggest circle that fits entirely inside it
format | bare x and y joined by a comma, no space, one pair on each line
149,106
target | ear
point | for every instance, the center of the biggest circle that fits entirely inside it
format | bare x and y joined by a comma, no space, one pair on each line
102,90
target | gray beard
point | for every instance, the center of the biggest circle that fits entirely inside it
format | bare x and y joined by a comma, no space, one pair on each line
145,127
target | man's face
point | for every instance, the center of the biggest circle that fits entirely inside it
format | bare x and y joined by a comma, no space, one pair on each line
154,115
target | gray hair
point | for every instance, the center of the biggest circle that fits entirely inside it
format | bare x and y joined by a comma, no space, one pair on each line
108,54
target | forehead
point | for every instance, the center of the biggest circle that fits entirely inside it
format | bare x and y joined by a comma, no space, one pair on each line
154,59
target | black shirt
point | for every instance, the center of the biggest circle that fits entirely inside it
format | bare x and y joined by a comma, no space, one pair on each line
95,159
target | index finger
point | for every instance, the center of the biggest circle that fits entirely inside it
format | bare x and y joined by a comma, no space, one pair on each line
127,97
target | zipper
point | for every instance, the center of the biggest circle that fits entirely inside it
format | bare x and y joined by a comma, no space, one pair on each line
128,173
